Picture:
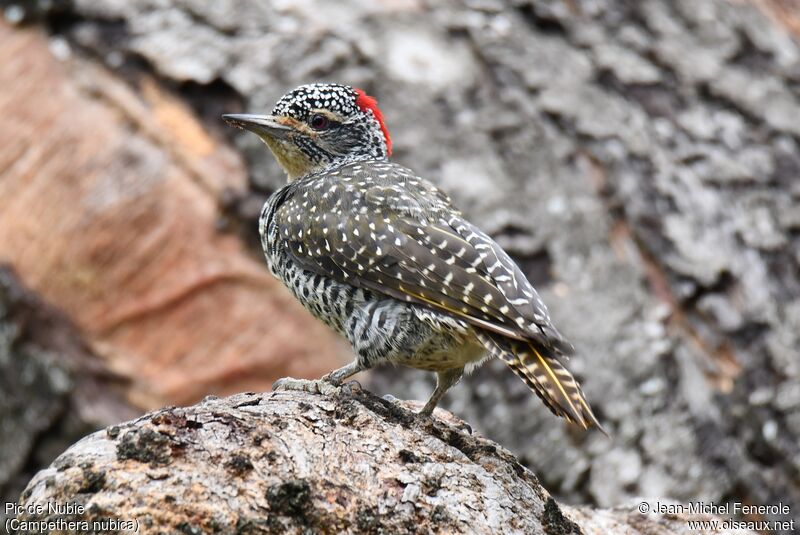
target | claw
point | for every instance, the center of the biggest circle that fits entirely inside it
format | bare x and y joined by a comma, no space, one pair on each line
327,378
421,420
427,411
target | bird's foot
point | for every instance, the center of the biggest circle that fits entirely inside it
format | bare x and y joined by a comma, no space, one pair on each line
314,386
426,412
426,416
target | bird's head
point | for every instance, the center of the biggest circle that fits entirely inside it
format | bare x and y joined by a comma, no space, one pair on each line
317,126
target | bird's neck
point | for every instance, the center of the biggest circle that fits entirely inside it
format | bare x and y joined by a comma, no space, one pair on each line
330,166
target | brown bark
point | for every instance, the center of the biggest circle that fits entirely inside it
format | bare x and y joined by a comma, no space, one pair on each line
109,211
784,12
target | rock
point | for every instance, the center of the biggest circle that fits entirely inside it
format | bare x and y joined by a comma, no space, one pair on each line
290,462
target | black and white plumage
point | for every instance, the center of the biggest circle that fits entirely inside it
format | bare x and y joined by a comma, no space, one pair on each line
382,256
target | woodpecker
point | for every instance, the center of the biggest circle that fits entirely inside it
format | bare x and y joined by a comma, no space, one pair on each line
381,255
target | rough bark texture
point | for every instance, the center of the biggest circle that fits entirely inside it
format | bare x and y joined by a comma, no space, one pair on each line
53,389
640,160
291,462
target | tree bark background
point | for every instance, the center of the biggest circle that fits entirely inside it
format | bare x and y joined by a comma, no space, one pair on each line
53,389
110,212
639,159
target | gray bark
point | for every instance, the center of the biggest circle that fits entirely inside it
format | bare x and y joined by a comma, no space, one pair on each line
289,462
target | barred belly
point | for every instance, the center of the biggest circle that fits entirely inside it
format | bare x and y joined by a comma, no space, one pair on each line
383,329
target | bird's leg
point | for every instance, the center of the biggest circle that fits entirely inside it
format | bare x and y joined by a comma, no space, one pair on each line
329,383
444,380
337,377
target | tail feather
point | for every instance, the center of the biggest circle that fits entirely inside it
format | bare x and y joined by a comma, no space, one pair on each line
546,376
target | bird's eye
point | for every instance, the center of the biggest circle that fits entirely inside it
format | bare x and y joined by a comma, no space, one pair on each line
319,122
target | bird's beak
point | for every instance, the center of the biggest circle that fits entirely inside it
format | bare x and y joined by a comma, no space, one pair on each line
263,125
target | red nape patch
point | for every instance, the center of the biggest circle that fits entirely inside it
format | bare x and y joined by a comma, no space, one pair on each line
366,102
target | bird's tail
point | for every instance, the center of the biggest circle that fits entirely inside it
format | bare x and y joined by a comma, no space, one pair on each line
545,375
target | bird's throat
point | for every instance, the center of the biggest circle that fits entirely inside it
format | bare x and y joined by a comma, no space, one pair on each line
294,161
